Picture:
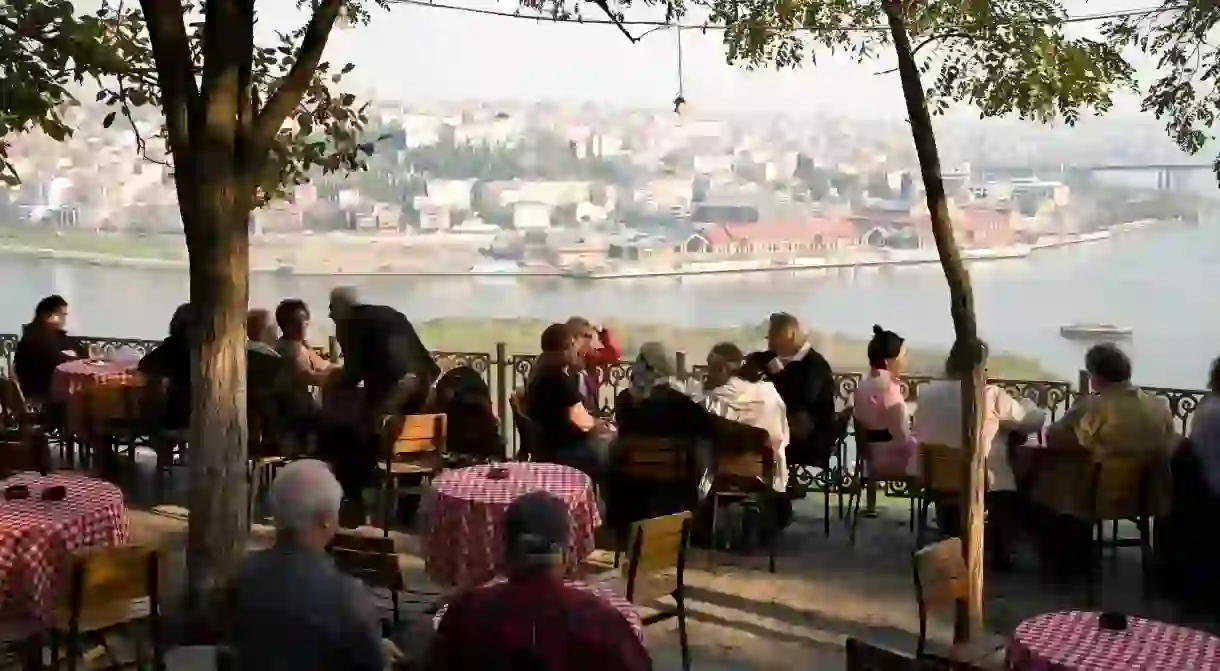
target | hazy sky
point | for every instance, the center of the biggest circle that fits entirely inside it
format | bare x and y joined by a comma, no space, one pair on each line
422,53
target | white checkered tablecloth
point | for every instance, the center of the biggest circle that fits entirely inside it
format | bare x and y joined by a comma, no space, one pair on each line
37,537
464,515
605,591
73,382
1073,641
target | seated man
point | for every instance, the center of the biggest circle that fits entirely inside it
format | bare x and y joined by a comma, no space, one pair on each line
567,433
598,347
938,420
1117,420
805,382
291,607
533,620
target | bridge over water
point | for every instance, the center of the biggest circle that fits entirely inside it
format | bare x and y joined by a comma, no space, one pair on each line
1168,175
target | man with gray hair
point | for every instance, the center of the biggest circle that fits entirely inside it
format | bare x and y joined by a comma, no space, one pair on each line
381,350
292,608
534,620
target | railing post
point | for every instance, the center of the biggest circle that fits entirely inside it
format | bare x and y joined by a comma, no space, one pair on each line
1084,387
680,363
332,349
502,373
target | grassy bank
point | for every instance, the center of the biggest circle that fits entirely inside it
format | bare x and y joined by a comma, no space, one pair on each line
521,337
111,244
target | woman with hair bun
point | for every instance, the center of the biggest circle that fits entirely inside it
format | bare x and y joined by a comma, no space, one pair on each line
883,425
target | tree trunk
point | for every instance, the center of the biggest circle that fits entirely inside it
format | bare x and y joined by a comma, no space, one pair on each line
218,246
967,349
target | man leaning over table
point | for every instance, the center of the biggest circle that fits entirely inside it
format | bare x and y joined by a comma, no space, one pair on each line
1117,420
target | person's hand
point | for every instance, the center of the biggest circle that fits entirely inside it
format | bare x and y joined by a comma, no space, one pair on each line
774,366
390,652
71,354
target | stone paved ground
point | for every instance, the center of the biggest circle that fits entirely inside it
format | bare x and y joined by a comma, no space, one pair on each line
743,618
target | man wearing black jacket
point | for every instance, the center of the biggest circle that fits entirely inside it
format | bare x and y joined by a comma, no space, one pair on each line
805,382
382,350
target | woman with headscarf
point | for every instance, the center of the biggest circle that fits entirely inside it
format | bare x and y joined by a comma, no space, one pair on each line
474,429
883,424
657,402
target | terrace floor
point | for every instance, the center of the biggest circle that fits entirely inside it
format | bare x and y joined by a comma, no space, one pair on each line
743,618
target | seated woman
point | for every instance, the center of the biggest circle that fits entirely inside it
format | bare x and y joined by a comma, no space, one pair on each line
738,392
938,419
658,405
44,345
880,411
474,430
566,432
171,361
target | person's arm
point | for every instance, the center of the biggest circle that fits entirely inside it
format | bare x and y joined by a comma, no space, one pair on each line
360,631
610,352
354,342
156,362
1063,433
564,390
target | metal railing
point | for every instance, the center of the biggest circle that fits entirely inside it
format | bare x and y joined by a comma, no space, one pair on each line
506,372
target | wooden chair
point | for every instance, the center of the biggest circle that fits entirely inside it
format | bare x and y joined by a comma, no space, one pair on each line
745,470
655,547
264,458
863,656
23,444
413,445
653,460
940,583
1131,488
941,467
528,447
109,588
372,560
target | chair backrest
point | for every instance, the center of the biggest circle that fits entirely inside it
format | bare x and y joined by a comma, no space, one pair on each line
942,467
415,434
940,575
12,402
108,579
527,433
652,458
1124,486
862,656
372,560
743,453
655,546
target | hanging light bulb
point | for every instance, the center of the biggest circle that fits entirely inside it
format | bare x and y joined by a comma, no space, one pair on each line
679,104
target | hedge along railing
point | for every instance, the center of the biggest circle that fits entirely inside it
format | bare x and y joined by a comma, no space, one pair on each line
505,372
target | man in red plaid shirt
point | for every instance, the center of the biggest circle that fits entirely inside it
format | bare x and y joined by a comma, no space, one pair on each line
533,621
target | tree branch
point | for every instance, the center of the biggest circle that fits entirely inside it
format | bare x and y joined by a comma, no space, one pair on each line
618,21
293,86
175,72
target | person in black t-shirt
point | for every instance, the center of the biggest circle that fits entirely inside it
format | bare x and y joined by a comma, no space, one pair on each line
567,433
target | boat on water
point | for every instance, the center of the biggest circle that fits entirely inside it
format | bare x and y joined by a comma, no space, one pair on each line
1094,332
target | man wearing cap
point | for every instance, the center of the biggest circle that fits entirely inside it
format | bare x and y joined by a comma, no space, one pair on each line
533,620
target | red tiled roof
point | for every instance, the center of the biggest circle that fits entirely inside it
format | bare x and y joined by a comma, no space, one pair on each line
780,231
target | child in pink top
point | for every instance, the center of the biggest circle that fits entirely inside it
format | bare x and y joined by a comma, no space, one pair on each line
880,410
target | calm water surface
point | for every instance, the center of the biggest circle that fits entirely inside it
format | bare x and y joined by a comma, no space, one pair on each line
1157,283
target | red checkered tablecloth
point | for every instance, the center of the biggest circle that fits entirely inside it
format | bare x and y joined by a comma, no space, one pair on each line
1073,641
605,591
37,537
74,382
464,515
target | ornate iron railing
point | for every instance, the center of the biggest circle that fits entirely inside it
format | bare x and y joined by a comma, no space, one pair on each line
504,373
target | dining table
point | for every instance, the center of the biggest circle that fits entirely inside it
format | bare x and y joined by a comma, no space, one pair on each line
1077,641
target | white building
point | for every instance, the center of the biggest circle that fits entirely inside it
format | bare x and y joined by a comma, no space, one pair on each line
531,216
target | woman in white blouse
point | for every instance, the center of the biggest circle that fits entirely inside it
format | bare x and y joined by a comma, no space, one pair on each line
938,420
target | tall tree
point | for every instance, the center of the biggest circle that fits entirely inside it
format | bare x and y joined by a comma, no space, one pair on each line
242,123
1004,57
1186,91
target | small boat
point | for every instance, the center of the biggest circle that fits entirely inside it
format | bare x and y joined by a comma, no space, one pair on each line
1094,332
